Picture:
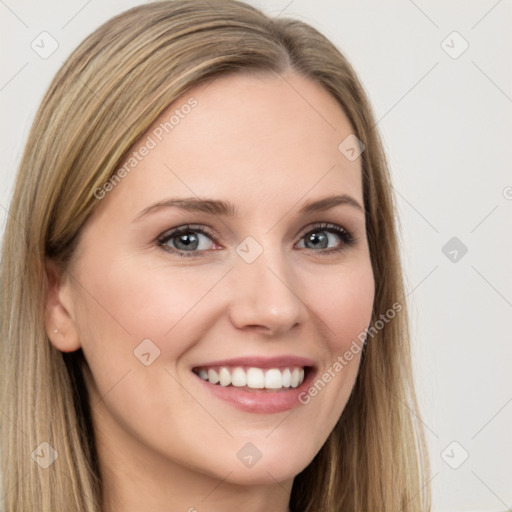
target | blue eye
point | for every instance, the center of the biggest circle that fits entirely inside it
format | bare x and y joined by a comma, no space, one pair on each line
189,241
185,239
323,235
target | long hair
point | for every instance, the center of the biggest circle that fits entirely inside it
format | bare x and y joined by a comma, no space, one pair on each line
101,101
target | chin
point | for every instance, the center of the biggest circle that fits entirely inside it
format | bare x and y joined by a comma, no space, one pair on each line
265,465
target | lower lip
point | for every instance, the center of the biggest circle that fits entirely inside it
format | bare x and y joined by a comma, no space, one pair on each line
260,401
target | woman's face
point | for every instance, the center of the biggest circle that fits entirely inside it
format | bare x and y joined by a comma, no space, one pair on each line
233,247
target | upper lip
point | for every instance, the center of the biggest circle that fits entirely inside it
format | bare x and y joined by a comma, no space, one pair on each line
261,362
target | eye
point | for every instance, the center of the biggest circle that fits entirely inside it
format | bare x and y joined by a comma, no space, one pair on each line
326,237
186,239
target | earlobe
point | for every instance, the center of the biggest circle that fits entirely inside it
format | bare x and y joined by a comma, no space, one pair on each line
60,325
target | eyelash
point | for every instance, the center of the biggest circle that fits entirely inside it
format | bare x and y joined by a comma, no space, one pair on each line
346,237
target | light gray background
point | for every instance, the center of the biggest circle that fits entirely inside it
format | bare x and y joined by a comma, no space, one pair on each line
447,127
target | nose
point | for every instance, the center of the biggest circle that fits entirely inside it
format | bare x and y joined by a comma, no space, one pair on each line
265,295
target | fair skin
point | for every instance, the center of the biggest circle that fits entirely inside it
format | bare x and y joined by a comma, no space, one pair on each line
166,442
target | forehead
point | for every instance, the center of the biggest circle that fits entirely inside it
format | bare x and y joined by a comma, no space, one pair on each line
268,136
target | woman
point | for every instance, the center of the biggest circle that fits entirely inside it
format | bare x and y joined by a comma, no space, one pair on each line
202,298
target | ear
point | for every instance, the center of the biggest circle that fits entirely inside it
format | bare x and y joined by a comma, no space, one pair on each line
59,322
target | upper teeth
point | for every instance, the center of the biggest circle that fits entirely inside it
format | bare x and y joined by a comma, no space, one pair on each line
255,378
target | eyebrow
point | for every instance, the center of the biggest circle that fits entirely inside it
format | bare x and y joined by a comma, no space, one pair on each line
227,209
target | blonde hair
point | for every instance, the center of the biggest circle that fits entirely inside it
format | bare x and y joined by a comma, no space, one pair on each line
105,96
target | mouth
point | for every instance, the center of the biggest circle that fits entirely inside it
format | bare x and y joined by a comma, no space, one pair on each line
258,385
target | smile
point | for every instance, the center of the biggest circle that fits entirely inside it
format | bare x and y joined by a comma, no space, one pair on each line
253,377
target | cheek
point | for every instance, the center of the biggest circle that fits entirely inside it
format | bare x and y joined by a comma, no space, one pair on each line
343,301
128,303
343,305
